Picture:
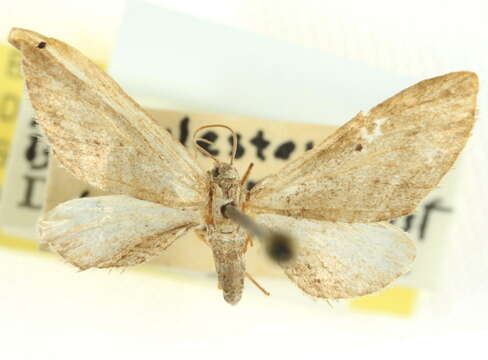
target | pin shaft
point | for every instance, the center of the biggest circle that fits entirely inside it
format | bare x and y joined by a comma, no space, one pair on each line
280,247
245,221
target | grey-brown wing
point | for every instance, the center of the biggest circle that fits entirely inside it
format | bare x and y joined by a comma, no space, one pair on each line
113,231
98,132
379,165
338,260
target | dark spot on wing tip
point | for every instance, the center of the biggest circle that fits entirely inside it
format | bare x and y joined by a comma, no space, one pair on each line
280,248
359,147
41,45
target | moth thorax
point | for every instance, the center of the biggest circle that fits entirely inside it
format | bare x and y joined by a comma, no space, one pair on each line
227,178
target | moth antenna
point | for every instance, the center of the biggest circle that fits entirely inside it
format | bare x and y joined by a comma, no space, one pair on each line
204,140
205,152
257,284
279,247
201,149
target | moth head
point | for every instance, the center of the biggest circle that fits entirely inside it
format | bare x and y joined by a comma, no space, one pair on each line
223,172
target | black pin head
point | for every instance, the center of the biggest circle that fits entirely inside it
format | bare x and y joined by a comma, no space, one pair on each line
280,248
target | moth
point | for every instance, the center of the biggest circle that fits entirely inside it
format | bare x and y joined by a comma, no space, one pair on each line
323,217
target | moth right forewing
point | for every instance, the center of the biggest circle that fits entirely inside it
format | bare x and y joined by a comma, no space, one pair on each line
339,260
98,133
113,231
379,165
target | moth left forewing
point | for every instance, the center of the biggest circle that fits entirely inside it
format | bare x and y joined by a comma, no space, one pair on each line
98,133
339,260
113,231
379,165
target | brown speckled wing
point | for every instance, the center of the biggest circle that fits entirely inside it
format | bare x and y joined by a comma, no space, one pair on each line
99,133
339,260
379,165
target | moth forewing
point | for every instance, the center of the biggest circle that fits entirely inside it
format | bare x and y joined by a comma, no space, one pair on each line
98,133
113,231
381,164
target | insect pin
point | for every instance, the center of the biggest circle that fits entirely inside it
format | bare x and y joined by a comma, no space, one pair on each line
323,217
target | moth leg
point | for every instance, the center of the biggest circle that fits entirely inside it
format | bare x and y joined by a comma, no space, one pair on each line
256,284
200,234
249,241
209,215
246,174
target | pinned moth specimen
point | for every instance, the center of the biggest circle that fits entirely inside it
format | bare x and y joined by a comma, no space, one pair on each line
323,217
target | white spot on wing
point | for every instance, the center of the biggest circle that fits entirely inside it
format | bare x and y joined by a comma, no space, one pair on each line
376,131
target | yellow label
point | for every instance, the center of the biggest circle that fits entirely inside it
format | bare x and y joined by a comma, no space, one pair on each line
17,243
399,300
10,93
